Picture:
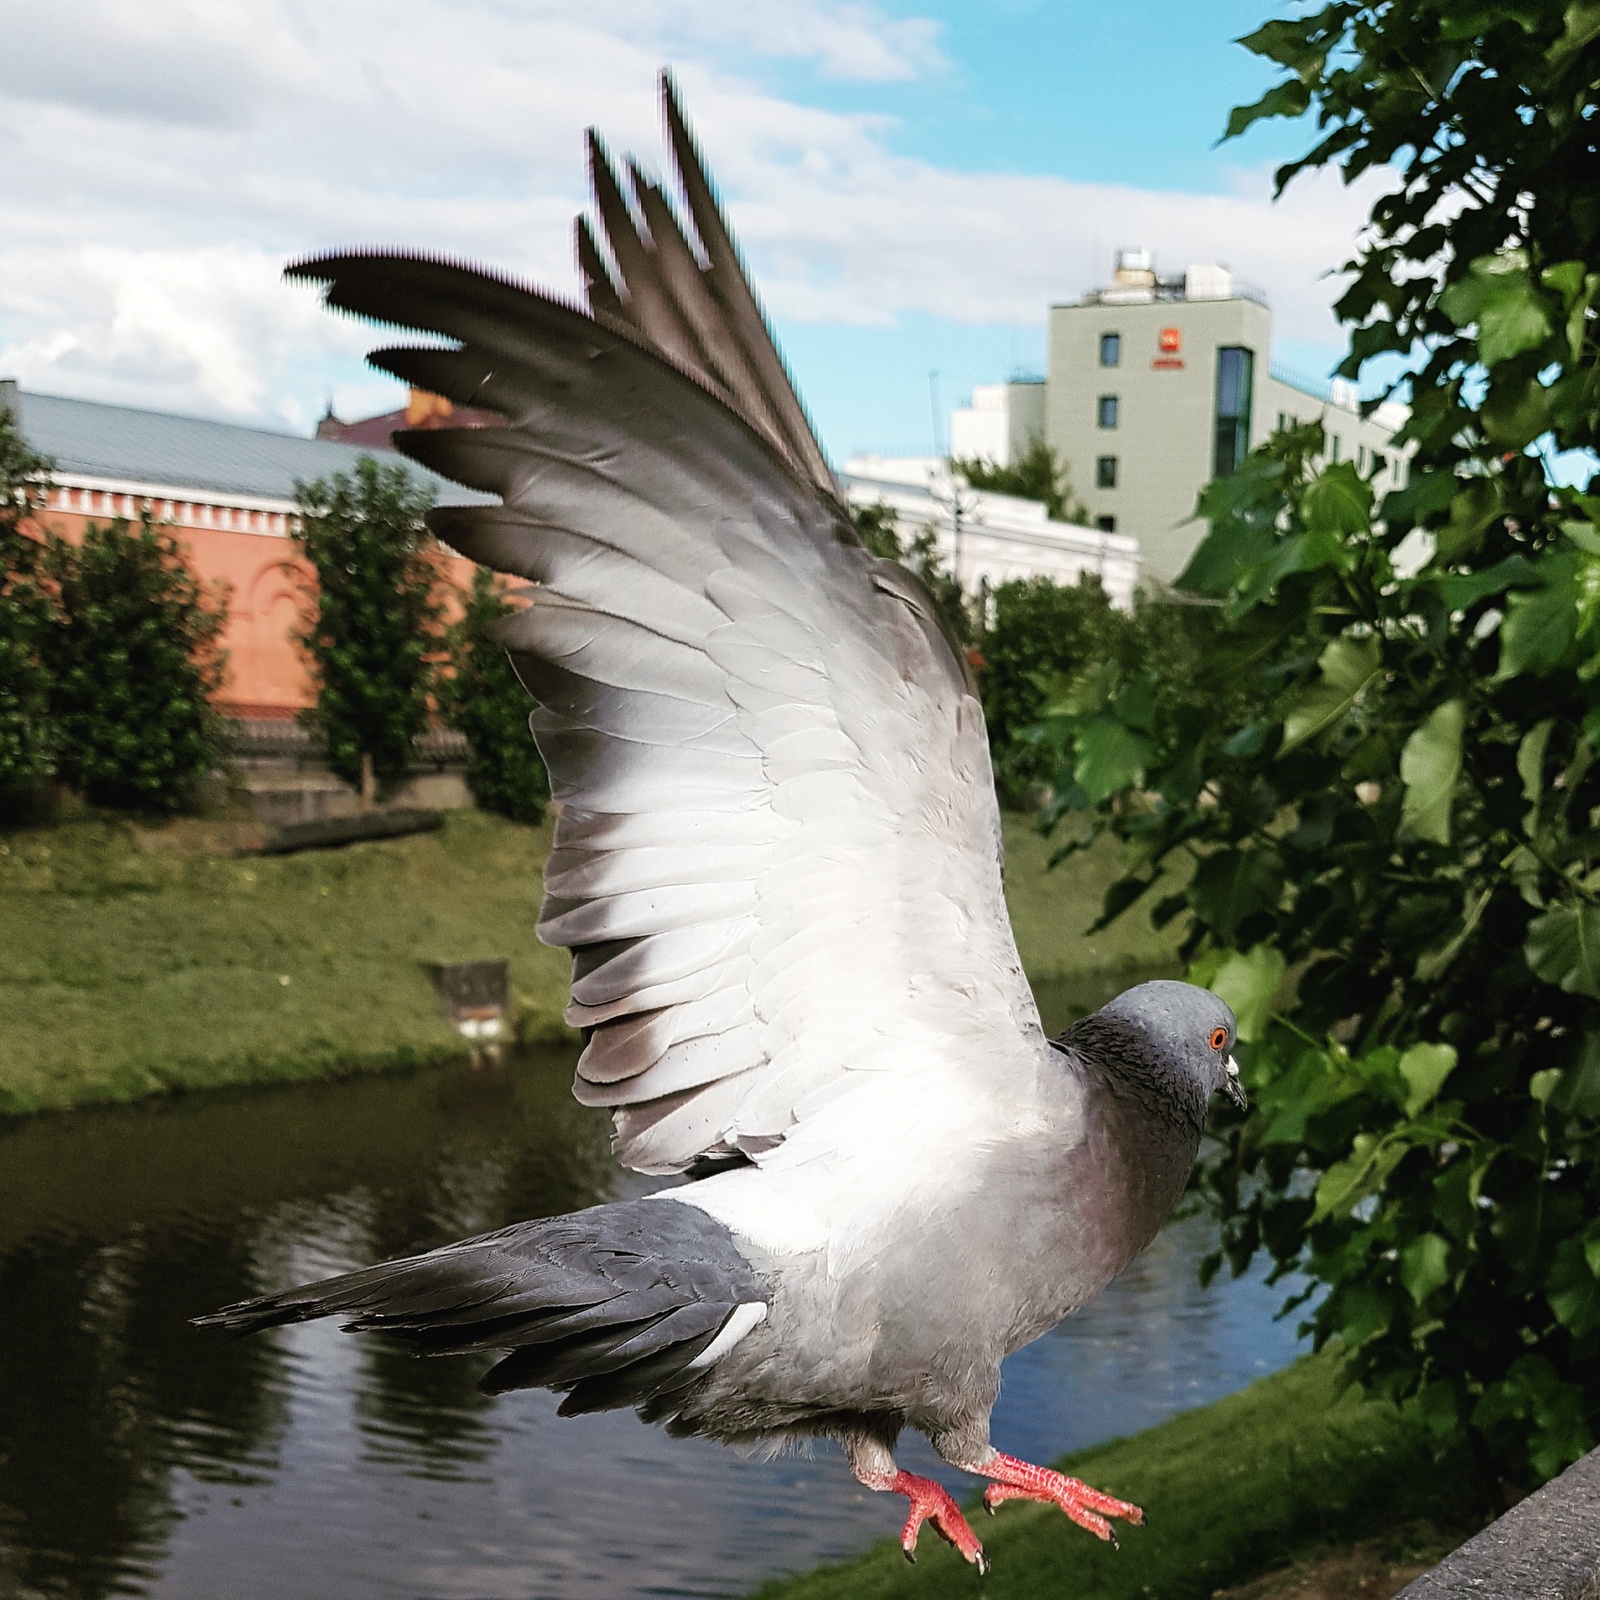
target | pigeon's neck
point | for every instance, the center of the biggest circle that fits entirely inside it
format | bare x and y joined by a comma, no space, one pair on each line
1130,1066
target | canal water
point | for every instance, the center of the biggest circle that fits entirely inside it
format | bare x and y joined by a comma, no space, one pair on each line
140,1456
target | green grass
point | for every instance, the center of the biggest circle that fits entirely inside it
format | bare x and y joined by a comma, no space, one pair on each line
139,960
1051,910
1283,1468
134,961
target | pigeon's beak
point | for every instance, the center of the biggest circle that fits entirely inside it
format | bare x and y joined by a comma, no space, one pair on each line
1232,1087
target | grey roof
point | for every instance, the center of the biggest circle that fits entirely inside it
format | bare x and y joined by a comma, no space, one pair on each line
101,441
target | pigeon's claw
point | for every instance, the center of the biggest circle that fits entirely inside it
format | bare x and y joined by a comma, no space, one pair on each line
931,1503
1021,1480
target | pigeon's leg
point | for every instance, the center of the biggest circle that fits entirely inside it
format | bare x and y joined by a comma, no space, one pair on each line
873,1465
1021,1480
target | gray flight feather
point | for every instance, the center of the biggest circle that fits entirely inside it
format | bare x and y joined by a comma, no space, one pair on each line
776,861
612,1305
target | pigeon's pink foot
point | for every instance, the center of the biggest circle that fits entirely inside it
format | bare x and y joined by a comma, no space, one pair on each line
930,1502
1020,1480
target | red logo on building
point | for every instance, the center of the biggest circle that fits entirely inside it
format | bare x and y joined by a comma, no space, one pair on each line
1170,341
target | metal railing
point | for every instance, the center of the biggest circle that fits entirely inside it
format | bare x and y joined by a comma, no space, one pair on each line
276,739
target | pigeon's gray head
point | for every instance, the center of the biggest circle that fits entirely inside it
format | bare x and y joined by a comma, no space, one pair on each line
1171,1038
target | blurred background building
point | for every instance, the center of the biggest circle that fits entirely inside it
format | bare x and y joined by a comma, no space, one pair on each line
1156,385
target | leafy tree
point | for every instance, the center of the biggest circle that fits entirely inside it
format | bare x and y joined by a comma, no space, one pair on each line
26,615
1039,474
484,699
876,526
1039,633
133,661
373,628
1396,863
878,531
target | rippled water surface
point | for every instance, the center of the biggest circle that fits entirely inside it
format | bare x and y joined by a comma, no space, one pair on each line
141,1456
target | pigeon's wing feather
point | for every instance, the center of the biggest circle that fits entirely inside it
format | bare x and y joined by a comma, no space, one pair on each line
705,318
776,857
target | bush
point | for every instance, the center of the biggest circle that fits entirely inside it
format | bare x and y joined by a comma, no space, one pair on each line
372,628
133,661
1387,775
484,699
1037,475
26,616
875,525
1039,633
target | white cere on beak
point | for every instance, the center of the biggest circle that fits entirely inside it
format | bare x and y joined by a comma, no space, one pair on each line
1232,1087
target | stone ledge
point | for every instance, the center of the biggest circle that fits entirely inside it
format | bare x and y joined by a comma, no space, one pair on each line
1546,1548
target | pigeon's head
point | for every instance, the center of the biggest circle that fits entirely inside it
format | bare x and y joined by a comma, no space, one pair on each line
1186,1032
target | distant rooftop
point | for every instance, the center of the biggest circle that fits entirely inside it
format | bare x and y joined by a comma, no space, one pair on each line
88,439
1136,282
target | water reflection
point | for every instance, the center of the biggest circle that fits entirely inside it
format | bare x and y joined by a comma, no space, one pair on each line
139,1456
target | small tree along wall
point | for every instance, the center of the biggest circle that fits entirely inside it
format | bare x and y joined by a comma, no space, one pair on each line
1038,474
483,699
26,742
133,660
372,626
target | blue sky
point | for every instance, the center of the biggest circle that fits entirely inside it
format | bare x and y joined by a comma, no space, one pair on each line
1102,94
913,183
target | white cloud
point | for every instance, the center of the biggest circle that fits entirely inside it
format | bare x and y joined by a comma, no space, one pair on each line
159,164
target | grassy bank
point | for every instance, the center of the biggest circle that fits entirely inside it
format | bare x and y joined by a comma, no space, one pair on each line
1274,1474
137,960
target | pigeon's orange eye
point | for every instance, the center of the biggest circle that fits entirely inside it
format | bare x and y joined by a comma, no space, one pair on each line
1219,1037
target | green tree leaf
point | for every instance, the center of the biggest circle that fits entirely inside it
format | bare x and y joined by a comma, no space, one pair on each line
1249,982
1563,948
1511,315
1111,756
1346,1183
1430,764
1424,1068
1348,666
1573,1290
1338,502
1233,885
1541,624
1425,1266
1283,100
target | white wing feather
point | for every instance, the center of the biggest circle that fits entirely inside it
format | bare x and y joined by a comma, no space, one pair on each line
777,853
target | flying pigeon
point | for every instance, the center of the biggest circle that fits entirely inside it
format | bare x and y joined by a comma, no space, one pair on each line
776,862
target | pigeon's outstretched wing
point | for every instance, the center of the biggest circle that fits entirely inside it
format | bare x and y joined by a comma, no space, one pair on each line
777,853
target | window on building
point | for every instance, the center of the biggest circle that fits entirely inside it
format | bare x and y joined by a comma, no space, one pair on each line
1236,381
1106,409
1110,349
1105,472
1334,447
1106,524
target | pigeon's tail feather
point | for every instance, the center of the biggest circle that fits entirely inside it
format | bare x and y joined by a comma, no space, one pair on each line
615,1306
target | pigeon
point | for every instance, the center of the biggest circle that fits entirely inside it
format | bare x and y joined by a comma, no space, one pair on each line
776,861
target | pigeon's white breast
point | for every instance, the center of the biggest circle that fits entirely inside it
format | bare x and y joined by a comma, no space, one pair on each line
883,1152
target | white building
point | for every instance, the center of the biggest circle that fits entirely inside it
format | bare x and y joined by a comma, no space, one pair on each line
988,539
1002,423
